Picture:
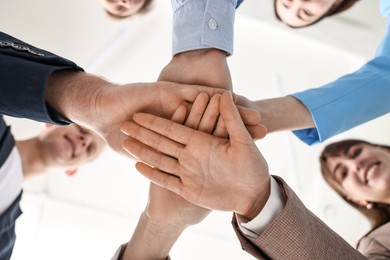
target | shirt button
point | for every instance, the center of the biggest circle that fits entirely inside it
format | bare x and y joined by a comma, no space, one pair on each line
213,24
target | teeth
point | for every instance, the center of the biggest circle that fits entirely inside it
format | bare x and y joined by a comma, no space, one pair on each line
371,171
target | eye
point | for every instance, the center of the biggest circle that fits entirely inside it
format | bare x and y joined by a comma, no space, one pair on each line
307,13
357,152
344,174
341,175
354,152
286,3
83,130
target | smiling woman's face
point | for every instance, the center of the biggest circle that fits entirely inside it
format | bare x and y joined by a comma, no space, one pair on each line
122,8
299,13
363,172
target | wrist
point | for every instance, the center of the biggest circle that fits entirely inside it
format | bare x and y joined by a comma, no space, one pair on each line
256,200
206,67
151,239
73,94
284,113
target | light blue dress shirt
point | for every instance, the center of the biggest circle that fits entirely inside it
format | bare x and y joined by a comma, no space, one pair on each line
201,24
352,99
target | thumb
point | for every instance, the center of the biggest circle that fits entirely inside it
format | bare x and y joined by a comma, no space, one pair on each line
232,119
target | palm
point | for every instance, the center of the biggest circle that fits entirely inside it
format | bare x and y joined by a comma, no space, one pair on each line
203,167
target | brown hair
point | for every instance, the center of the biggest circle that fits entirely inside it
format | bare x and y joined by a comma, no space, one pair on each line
144,9
380,213
344,5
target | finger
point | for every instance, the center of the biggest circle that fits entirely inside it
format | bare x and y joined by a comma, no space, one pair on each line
210,116
164,127
257,131
232,120
249,116
190,92
153,139
197,110
160,178
180,114
220,129
151,156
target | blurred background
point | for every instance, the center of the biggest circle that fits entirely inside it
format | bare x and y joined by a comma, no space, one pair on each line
89,215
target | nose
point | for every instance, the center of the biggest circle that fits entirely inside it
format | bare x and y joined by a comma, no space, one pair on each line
124,3
354,165
85,139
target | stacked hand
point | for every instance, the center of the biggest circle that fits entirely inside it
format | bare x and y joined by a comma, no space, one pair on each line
102,107
208,171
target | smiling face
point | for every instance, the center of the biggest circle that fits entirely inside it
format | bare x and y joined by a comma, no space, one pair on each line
64,146
122,8
300,13
362,171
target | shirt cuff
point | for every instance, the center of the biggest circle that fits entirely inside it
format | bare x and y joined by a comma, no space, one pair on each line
203,24
272,208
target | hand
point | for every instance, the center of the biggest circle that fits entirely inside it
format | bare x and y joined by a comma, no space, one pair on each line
208,67
165,206
102,107
166,214
208,171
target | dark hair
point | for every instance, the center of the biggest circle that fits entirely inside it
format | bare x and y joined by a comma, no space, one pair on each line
143,10
380,213
344,5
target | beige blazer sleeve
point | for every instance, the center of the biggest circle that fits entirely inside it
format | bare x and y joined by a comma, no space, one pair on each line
296,233
376,245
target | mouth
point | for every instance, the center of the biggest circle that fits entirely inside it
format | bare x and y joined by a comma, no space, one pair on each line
371,172
72,144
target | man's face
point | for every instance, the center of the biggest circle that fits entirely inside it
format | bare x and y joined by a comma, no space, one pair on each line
69,145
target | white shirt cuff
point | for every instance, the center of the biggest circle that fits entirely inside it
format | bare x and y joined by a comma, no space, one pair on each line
272,208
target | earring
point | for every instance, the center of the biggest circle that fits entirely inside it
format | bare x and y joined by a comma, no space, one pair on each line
369,206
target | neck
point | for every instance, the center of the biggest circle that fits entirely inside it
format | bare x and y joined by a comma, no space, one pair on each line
32,157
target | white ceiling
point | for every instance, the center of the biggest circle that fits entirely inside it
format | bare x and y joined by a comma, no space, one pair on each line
269,60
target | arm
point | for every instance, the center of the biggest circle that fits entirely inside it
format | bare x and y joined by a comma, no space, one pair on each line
167,214
42,86
321,113
296,233
278,114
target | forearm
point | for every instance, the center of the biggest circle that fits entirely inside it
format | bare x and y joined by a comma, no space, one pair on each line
24,78
284,113
151,240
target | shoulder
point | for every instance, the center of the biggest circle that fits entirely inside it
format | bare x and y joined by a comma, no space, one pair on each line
377,242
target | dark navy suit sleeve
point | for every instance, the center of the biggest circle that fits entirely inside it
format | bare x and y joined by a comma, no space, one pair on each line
24,72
